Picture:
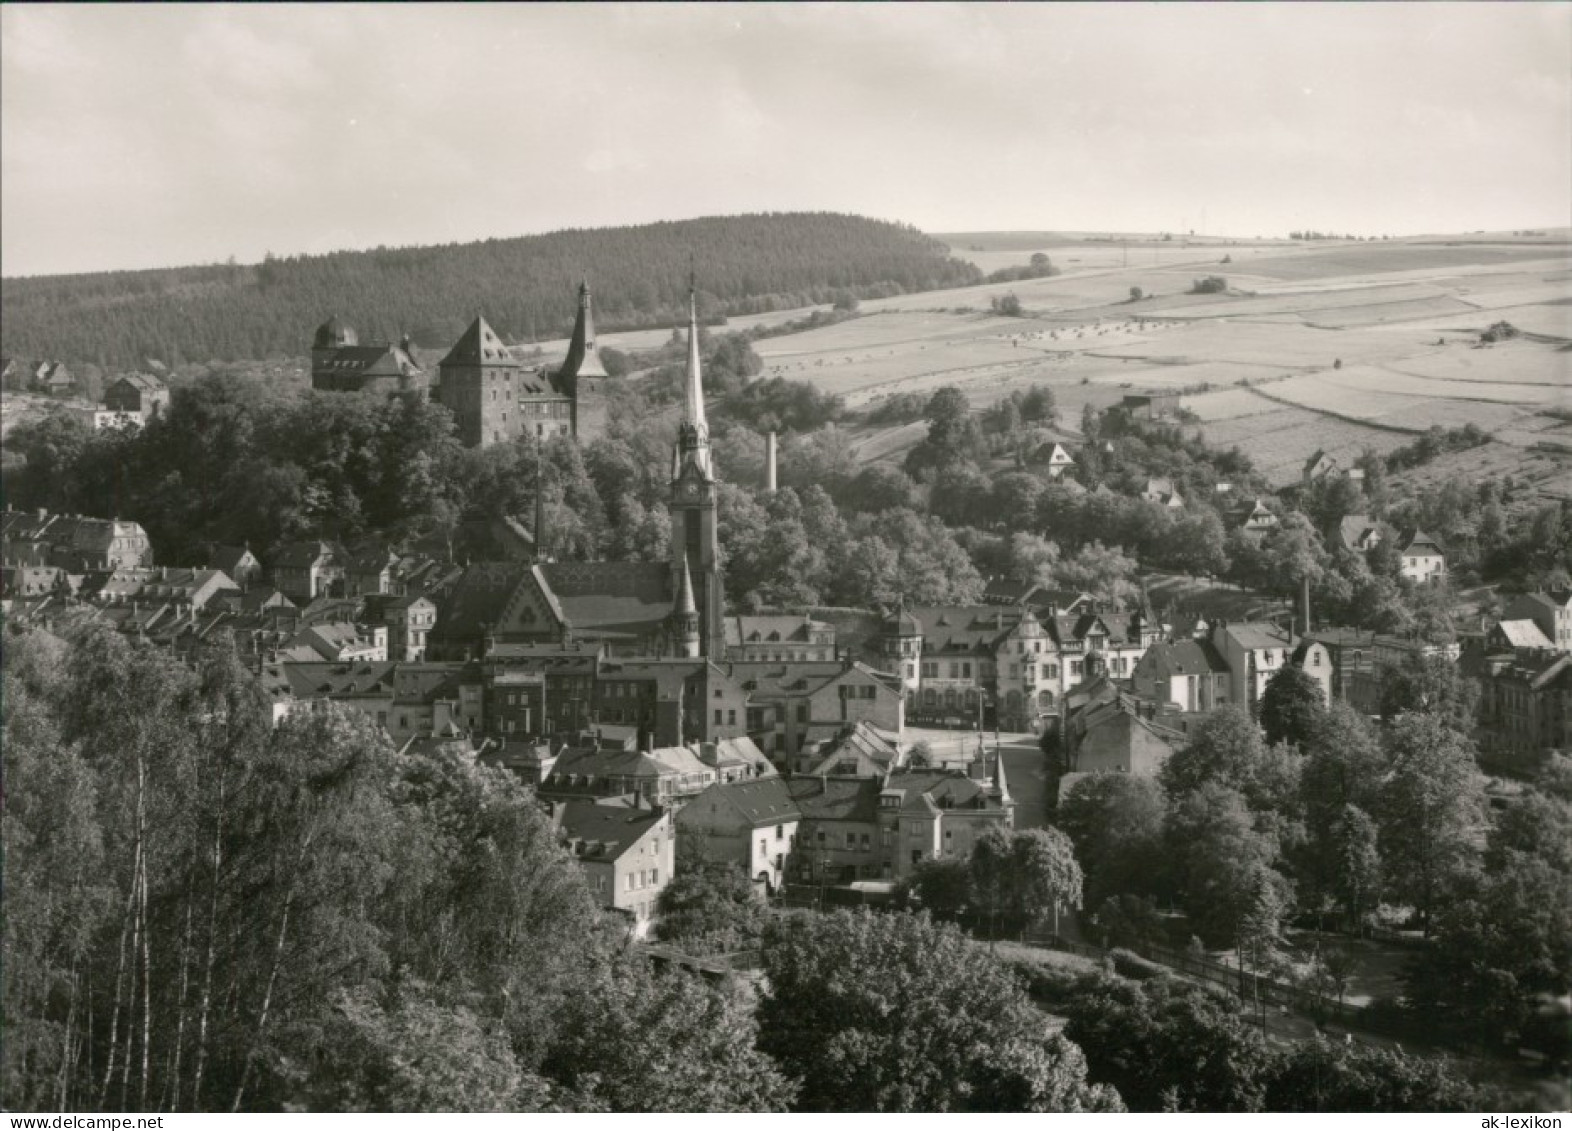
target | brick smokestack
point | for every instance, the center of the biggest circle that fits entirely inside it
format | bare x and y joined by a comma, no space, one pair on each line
769,463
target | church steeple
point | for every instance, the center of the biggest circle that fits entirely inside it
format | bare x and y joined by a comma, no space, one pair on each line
695,545
693,435
685,616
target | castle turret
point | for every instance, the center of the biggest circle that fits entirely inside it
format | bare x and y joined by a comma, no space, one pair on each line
583,358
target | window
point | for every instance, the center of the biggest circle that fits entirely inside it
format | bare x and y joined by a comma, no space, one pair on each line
889,837
866,842
780,831
764,847
802,712
731,718
966,671
851,840
629,886
717,716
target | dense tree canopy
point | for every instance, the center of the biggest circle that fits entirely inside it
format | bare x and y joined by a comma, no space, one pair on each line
524,287
897,1013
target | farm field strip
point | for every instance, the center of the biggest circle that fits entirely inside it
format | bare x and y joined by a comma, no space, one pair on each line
1349,395
1395,380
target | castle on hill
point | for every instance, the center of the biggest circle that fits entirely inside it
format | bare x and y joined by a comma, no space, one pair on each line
493,396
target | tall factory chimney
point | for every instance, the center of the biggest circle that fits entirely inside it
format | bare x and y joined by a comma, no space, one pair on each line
769,463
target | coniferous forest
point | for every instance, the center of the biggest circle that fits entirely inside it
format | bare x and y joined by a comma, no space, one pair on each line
524,286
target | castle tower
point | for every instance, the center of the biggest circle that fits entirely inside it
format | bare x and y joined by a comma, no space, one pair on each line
583,358
694,541
480,387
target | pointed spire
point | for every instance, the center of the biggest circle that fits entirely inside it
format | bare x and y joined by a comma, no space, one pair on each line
686,605
693,404
583,358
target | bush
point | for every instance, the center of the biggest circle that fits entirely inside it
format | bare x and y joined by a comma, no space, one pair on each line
1128,964
1007,305
1211,285
1499,332
1136,294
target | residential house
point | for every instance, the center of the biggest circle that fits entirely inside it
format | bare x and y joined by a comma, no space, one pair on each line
1255,519
242,566
53,379
304,571
749,823
1116,733
1190,674
1551,611
861,751
1254,652
138,395
1423,558
408,620
343,641
1163,493
1055,457
1359,533
788,707
626,849
1515,635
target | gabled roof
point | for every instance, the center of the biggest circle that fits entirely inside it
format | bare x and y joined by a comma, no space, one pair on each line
142,382
1357,531
1524,634
608,594
480,345
1422,543
965,628
766,801
1189,657
836,799
1254,635
477,602
301,555
604,832
329,679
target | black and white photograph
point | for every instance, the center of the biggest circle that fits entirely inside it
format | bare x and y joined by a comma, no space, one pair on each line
618,558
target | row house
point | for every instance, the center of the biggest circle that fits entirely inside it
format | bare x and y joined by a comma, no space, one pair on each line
408,619
663,775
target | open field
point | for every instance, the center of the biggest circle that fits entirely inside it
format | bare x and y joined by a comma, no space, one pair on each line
1401,318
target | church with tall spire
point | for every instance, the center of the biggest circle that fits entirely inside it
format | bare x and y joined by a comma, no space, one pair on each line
695,495
674,609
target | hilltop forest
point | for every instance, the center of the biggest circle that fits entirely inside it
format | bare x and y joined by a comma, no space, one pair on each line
524,286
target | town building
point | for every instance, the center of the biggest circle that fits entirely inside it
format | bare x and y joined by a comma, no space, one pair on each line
1525,704
1254,652
75,543
1190,674
779,638
752,824
627,850
1550,611
860,829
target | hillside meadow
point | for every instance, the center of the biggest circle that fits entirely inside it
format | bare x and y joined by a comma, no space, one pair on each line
1341,346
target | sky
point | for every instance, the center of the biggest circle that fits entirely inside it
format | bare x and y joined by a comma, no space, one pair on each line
148,135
